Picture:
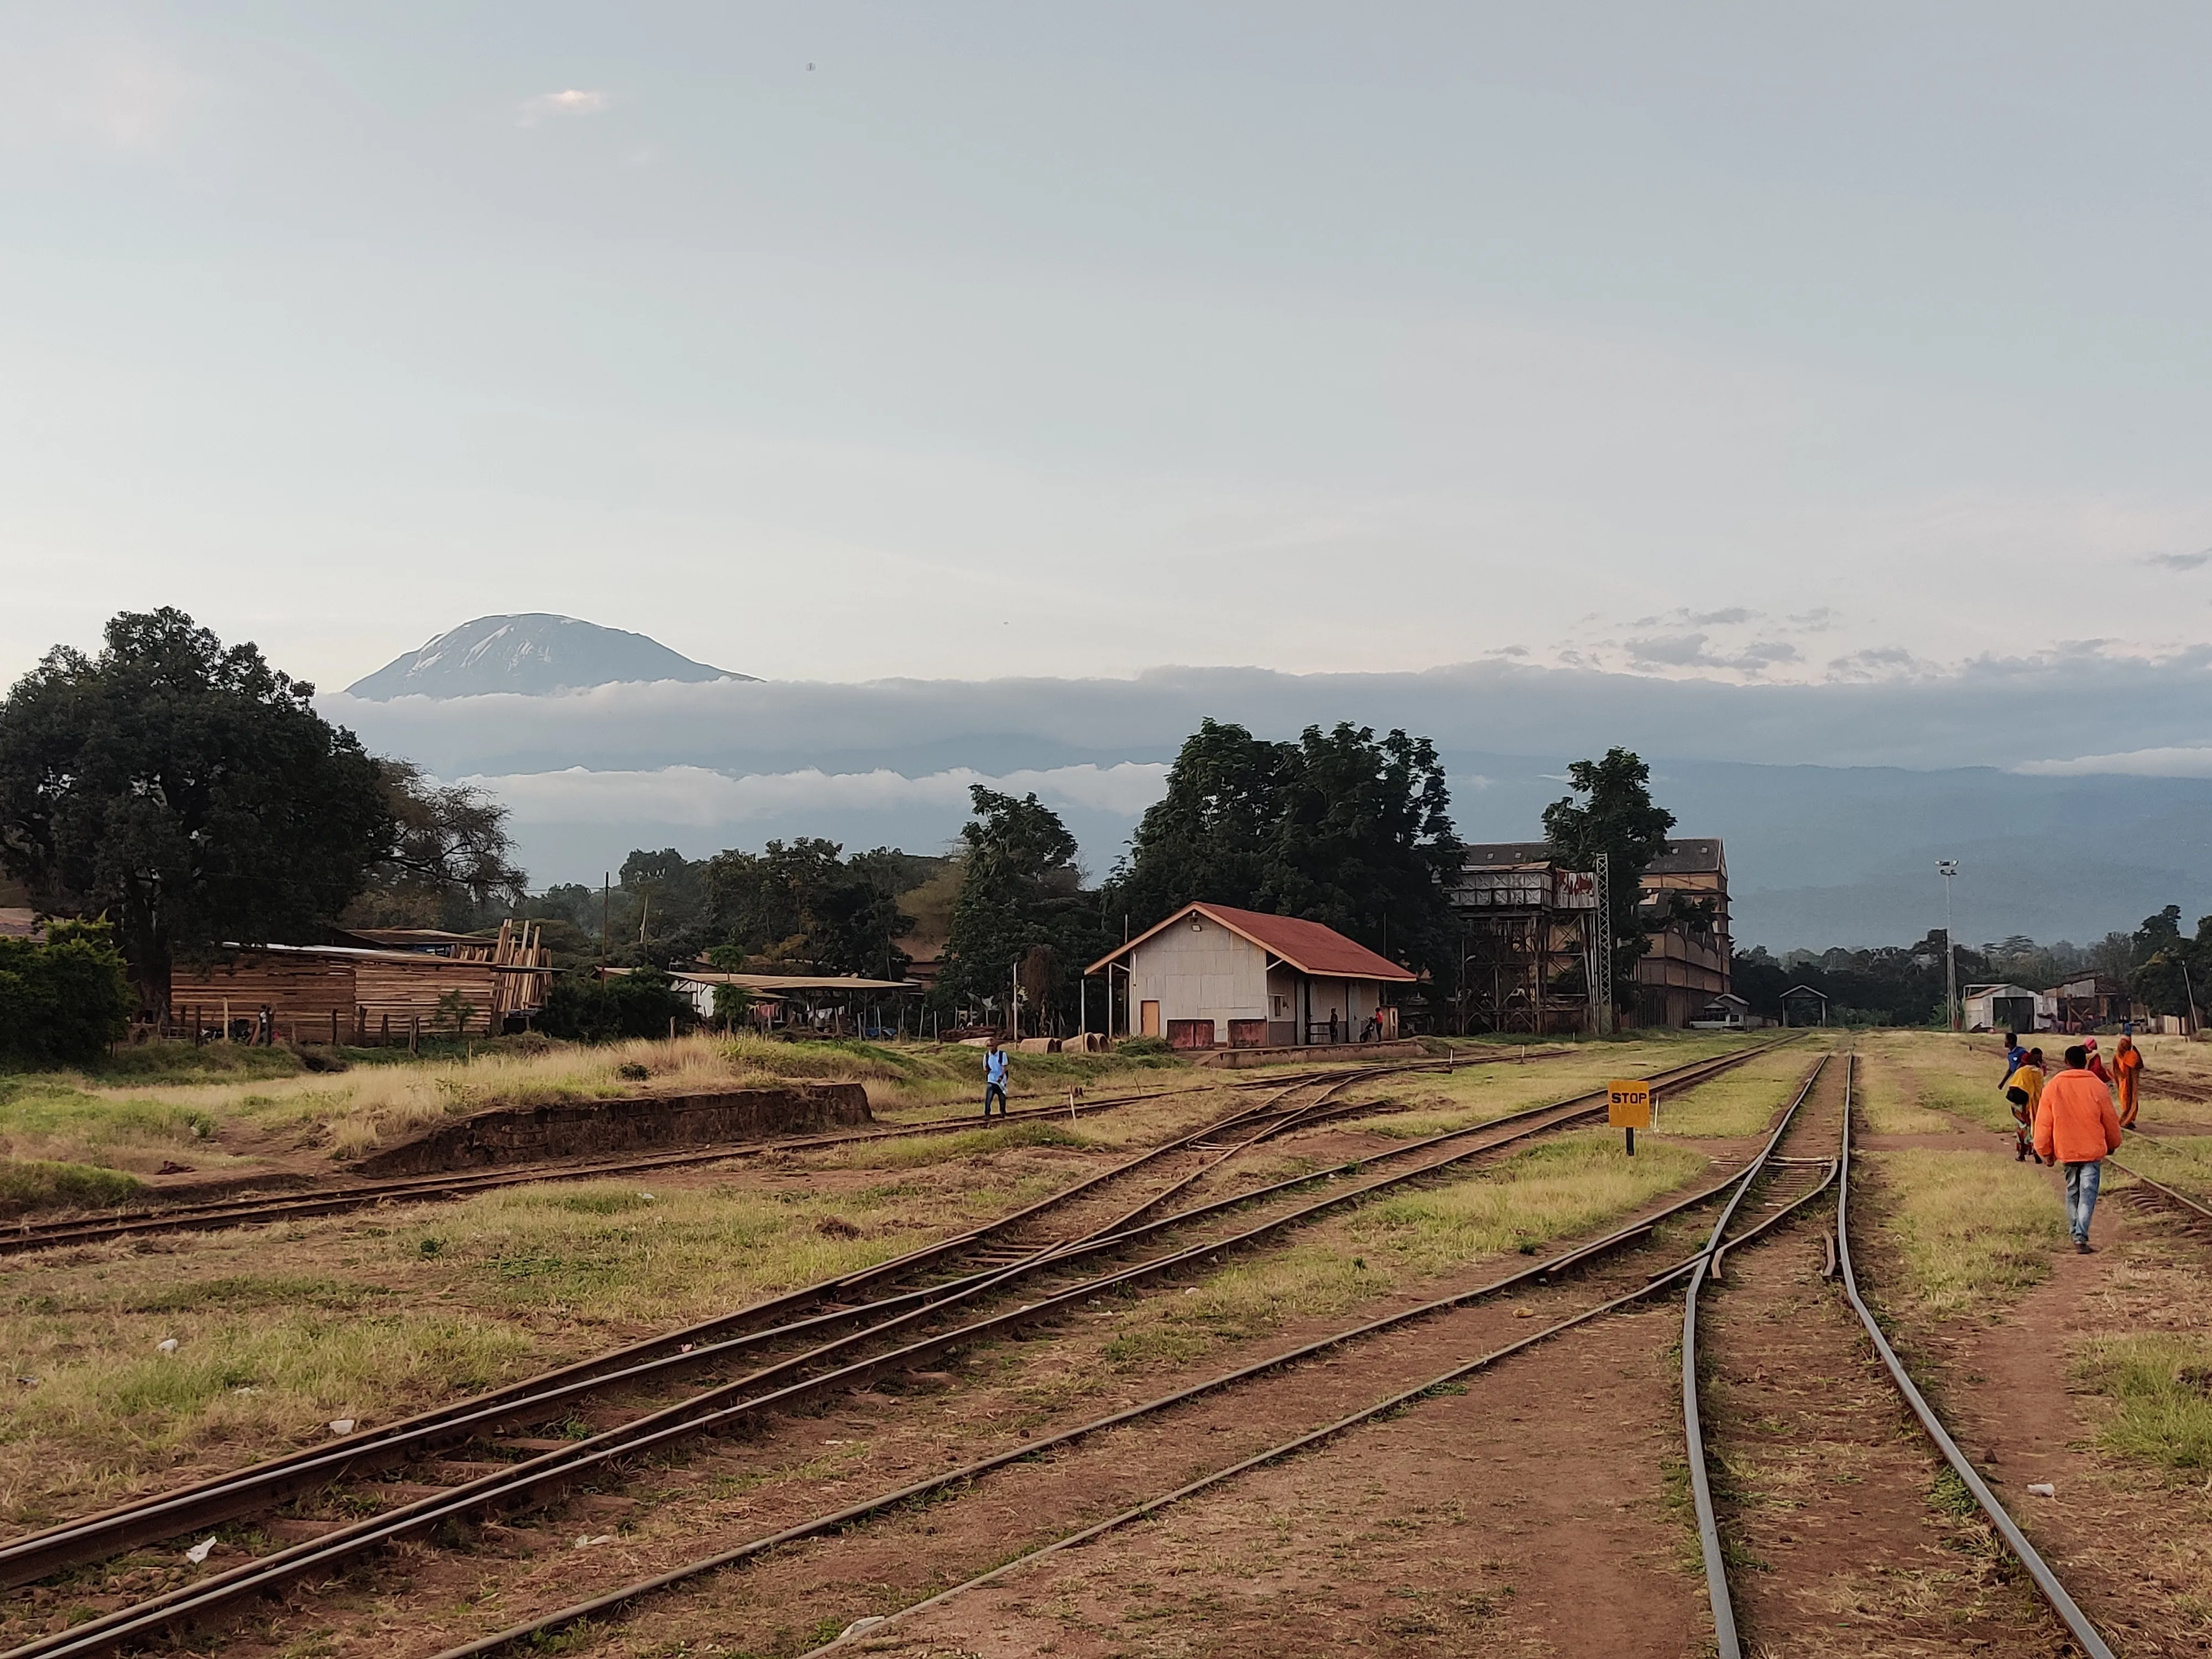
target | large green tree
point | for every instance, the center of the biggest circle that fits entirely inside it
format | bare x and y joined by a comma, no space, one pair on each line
1341,827
1021,903
804,902
2174,972
185,790
1611,812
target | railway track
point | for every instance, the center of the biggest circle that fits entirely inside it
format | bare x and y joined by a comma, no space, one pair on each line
1728,1639
1554,1269
835,1347
259,1209
2196,1215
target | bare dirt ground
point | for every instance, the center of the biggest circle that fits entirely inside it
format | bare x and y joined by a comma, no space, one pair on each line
1465,1522
2133,1548
1528,1515
1830,1502
2132,1543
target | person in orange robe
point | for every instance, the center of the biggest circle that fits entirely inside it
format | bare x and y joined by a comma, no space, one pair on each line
2127,1073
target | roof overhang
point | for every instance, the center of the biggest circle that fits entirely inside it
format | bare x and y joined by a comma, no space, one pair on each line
1389,974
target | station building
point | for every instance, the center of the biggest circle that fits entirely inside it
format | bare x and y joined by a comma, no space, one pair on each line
1213,976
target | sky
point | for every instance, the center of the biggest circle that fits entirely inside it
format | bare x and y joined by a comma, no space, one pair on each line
1819,345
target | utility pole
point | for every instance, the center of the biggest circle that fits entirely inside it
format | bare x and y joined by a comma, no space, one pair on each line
1947,868
1601,978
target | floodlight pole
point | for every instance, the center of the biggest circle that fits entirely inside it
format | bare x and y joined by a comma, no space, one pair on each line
1947,868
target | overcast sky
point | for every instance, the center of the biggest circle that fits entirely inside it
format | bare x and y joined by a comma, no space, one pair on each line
953,340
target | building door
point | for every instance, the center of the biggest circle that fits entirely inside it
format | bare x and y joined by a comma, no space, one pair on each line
1148,1019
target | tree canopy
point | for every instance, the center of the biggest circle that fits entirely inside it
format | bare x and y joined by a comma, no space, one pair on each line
1021,902
63,1001
1340,828
2171,969
187,791
451,863
803,902
1611,811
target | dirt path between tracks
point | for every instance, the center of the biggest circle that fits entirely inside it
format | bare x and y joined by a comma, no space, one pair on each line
1842,1539
2132,1542
1528,1515
2133,1545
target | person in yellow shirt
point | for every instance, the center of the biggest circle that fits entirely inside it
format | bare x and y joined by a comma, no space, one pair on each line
2023,1089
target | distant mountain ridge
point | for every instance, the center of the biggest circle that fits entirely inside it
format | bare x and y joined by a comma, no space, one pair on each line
532,655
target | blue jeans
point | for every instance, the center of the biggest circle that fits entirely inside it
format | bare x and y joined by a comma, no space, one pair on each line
998,1089
2081,1182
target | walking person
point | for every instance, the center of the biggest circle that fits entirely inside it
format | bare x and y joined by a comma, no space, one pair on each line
994,1077
2127,1075
2076,1128
2097,1062
2023,1087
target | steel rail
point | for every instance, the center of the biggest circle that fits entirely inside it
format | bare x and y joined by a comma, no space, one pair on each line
820,1525
1709,1537
529,1478
277,1480
211,1214
274,1480
2172,1195
2046,1581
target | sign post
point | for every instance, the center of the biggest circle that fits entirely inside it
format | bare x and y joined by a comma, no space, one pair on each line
1628,1106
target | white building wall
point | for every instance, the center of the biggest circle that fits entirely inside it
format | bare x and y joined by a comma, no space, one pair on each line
1205,972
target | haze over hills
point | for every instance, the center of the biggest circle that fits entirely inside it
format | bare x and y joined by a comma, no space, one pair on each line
531,654
2105,818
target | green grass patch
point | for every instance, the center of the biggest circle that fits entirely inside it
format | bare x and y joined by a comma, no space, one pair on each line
38,1184
1561,1188
910,1152
1886,1102
2160,1384
1740,1102
2181,1161
251,1290
1972,1231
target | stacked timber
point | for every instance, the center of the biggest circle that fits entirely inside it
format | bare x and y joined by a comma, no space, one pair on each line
300,990
339,992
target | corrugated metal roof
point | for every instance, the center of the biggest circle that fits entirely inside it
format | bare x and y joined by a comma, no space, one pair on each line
786,981
1680,858
1482,856
1308,946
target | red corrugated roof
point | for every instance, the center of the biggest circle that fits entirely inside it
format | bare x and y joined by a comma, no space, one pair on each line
1308,946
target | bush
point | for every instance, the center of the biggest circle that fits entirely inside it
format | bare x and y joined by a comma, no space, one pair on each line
639,1004
65,1001
1137,1048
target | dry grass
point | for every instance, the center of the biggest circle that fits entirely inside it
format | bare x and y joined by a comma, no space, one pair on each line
1742,1101
136,1126
1477,1093
1559,1190
280,1332
1972,1231
1887,1095
1937,1073
2181,1161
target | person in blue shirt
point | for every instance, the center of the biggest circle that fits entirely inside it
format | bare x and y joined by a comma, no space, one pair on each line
994,1077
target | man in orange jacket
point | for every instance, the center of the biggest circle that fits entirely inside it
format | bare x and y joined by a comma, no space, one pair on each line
2076,1128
